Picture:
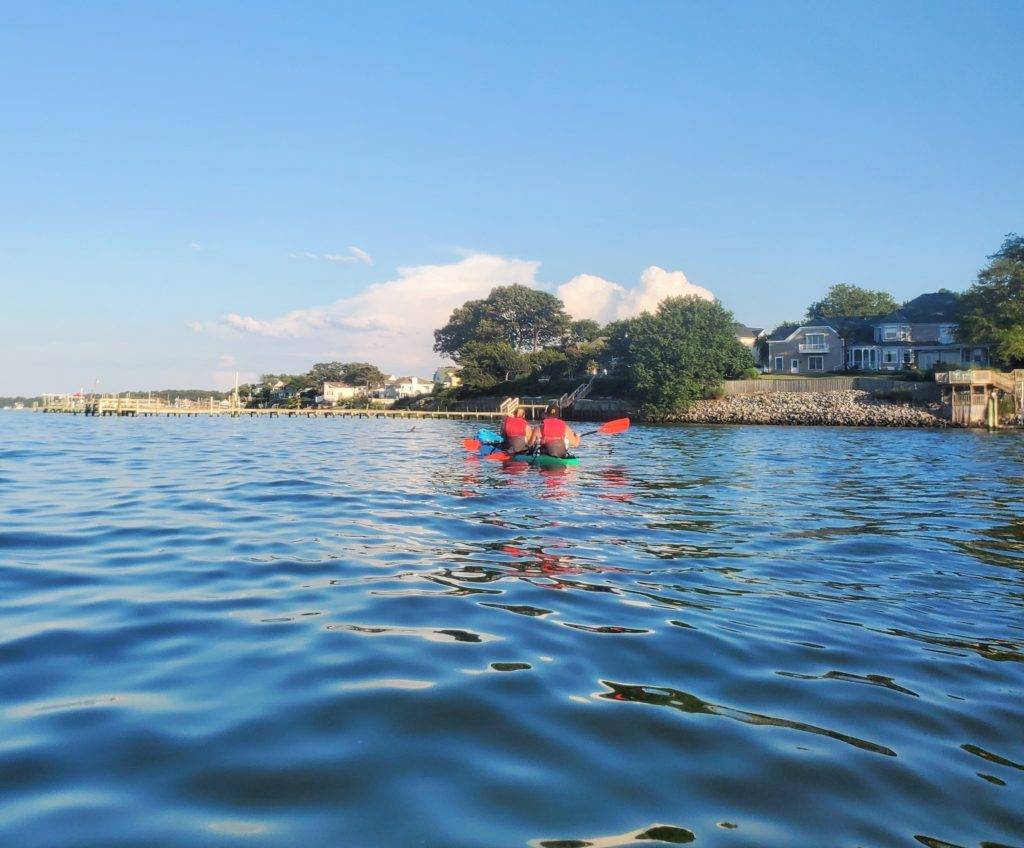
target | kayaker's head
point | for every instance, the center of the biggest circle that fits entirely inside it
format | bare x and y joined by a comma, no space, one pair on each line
520,412
552,411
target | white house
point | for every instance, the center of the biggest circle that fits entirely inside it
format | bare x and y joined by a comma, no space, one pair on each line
405,387
447,377
334,392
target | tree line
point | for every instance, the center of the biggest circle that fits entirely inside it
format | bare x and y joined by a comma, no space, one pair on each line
666,359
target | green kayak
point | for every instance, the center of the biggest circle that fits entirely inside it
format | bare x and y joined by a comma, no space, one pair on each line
545,461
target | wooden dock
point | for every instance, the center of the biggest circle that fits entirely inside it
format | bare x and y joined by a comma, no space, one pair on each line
148,407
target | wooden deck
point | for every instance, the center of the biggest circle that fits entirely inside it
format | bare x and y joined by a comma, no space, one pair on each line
997,379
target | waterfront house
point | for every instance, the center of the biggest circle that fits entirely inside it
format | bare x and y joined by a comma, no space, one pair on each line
334,392
810,349
749,337
405,387
447,377
921,334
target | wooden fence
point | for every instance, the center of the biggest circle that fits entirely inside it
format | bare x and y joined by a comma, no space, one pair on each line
918,392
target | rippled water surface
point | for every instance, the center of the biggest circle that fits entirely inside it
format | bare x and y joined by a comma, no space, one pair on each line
221,632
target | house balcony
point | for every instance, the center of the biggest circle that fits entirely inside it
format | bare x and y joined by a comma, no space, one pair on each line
814,348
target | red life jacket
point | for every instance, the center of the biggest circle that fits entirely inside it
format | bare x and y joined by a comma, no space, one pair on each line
513,427
552,429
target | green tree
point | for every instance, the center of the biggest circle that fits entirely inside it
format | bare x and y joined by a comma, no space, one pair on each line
485,364
583,331
363,374
993,308
546,361
516,315
682,353
327,372
847,301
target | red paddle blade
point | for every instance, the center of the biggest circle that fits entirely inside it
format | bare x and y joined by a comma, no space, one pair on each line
497,456
619,425
471,444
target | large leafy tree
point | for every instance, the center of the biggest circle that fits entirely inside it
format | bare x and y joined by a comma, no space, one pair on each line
327,372
993,308
351,373
847,301
521,317
682,353
363,374
485,364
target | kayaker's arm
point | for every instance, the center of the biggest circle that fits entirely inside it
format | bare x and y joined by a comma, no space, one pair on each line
571,438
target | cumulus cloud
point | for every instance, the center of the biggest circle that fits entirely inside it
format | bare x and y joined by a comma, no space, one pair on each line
392,322
589,296
194,326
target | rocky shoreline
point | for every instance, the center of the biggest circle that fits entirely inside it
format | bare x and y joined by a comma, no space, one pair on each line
836,409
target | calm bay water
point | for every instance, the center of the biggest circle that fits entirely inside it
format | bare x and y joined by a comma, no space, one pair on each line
262,633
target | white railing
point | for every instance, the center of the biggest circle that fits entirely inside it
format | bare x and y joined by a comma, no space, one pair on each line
814,348
578,393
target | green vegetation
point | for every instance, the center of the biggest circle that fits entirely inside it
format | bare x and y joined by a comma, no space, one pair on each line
848,301
993,308
493,339
683,353
299,389
6,402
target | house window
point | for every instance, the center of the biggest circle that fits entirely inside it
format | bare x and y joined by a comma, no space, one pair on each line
890,357
858,358
889,334
779,364
815,339
815,363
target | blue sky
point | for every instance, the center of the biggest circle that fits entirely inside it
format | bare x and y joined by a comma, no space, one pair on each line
166,166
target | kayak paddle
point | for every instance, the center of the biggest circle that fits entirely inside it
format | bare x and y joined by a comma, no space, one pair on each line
619,425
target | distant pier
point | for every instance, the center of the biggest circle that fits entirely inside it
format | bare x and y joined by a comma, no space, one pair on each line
151,407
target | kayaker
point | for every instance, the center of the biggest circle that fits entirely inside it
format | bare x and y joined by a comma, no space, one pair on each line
554,436
516,432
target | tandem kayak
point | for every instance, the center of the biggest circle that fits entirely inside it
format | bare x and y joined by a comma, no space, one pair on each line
545,461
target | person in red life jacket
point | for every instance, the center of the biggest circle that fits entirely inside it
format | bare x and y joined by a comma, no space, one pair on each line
516,432
554,436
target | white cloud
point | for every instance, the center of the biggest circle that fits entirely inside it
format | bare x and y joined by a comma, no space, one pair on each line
196,246
392,322
361,255
354,254
194,326
589,296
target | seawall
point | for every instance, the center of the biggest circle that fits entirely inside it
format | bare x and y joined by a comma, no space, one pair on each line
855,408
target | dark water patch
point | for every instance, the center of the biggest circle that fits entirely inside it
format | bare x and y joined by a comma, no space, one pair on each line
870,679
978,751
687,703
